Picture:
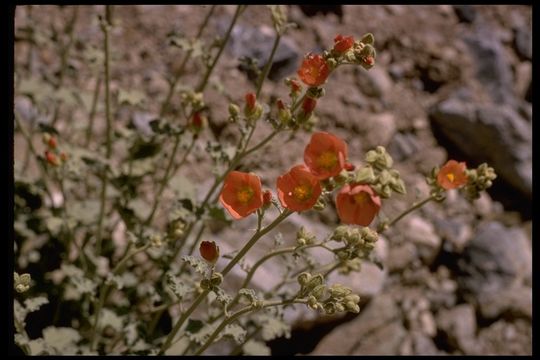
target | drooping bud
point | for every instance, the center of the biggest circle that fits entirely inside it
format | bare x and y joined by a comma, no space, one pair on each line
209,251
308,105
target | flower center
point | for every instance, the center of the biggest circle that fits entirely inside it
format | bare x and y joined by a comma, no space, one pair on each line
450,177
245,194
361,198
328,160
301,192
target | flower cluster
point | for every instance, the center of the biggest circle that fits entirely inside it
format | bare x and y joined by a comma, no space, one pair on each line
359,242
325,169
456,175
328,299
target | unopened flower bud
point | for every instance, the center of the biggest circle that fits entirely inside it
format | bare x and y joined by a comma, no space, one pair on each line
365,175
251,101
318,291
52,143
267,198
340,233
312,302
303,278
197,122
308,105
156,240
209,251
216,279
339,291
368,39
234,111
51,158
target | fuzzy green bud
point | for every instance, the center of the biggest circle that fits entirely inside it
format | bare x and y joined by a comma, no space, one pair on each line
368,39
313,303
303,278
339,291
318,291
340,233
365,175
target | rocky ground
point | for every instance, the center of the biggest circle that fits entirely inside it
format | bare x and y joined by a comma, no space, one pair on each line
450,82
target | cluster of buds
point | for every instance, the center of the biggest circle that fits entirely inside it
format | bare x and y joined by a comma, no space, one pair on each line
480,179
303,237
336,298
53,156
156,240
192,99
21,282
359,242
176,228
348,50
379,175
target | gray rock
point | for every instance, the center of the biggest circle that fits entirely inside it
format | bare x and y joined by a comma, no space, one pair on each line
459,326
457,233
422,233
493,68
493,268
257,43
465,13
494,259
401,256
375,83
377,330
491,133
424,345
516,301
523,42
403,145
378,129
505,338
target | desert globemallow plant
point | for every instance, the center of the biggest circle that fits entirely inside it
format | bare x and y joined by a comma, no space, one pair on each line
111,296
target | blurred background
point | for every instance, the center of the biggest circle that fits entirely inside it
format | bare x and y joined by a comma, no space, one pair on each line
450,82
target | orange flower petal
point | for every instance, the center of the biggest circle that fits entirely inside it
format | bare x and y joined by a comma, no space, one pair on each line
241,194
314,70
298,189
452,175
325,155
357,204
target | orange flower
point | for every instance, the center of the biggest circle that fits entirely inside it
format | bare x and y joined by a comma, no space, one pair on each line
241,194
343,43
325,155
209,251
357,204
314,70
452,175
298,189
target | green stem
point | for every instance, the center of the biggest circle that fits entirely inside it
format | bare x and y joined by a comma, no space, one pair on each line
241,312
32,149
204,81
180,70
92,112
165,179
268,65
181,321
105,27
225,271
385,226
104,290
70,27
